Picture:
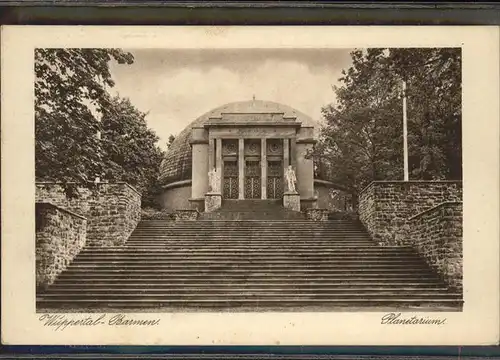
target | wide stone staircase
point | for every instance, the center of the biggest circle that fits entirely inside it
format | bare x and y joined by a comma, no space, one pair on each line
248,265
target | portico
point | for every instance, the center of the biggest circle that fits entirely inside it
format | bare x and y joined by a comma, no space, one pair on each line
250,152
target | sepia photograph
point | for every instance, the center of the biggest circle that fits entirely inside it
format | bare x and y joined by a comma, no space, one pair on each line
270,185
181,180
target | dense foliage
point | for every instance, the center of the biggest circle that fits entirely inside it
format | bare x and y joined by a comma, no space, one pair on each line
130,149
81,132
362,139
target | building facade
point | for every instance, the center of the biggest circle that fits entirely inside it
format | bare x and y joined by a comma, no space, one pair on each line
249,145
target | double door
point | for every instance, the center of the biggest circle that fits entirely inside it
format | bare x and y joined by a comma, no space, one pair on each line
253,180
253,189
274,179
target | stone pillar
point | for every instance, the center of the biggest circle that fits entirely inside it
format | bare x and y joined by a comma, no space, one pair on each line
241,168
211,153
213,202
291,201
218,160
263,168
286,154
200,167
293,152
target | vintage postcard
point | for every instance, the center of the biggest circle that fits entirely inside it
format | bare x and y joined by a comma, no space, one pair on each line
250,185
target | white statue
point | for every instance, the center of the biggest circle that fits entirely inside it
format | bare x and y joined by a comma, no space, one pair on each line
213,181
290,178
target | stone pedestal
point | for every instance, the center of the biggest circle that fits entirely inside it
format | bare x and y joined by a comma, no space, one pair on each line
213,201
291,201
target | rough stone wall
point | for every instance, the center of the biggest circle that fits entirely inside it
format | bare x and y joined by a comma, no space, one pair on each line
112,209
385,206
437,235
60,235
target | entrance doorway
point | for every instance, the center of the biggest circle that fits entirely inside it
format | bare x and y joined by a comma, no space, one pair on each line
230,188
274,179
252,179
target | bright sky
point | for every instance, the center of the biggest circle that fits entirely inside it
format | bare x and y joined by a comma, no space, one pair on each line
177,86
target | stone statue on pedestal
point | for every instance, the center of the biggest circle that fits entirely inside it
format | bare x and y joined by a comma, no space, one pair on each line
213,181
290,178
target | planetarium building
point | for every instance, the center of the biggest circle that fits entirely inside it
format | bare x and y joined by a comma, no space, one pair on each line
250,145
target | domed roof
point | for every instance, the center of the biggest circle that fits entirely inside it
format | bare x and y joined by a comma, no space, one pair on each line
176,165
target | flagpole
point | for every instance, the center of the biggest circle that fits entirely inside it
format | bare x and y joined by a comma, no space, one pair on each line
405,135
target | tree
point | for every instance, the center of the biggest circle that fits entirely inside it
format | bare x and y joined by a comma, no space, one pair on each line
171,139
129,146
70,93
362,125
435,109
362,139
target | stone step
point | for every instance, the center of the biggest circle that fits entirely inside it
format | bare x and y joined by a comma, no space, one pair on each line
229,256
257,305
265,224
162,221
240,236
249,265
249,224
276,242
257,261
354,251
257,257
224,224
194,293
306,272
254,214
250,232
248,228
307,277
292,249
299,284
248,247
245,296
262,238
279,304
240,224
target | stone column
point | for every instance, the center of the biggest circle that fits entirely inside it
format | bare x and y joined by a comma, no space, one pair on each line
241,168
200,158
218,160
263,168
213,200
293,152
286,154
211,151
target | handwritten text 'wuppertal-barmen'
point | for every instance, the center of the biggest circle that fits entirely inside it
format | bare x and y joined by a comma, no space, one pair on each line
62,322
